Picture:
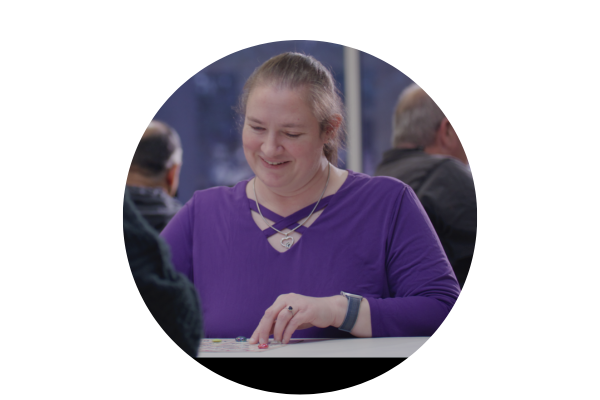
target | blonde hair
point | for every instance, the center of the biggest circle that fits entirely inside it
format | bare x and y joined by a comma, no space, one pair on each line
295,70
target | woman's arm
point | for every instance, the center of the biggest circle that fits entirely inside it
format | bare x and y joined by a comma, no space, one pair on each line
306,312
422,285
362,326
178,235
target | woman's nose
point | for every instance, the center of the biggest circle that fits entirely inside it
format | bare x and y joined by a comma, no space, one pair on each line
271,145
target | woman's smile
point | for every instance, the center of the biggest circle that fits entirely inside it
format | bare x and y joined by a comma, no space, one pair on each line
274,164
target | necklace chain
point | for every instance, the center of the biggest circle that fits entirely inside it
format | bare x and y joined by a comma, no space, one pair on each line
289,241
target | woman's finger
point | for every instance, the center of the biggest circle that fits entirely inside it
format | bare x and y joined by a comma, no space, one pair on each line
265,326
291,327
282,320
254,338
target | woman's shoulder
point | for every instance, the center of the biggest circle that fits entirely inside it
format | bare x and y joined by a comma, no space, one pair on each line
361,190
362,182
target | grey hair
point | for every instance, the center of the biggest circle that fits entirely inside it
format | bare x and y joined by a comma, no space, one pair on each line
416,118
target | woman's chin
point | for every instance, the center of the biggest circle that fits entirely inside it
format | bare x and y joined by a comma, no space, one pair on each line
271,182
272,175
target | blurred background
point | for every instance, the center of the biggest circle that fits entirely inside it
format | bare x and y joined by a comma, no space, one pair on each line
202,111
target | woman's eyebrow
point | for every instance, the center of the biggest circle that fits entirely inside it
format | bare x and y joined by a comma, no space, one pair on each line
290,125
257,121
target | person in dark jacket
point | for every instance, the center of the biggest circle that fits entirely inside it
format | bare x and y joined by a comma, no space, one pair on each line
428,156
170,296
153,177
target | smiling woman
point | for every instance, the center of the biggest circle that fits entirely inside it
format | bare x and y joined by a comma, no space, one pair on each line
305,249
282,141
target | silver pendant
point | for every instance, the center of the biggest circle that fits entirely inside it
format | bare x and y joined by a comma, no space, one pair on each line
289,241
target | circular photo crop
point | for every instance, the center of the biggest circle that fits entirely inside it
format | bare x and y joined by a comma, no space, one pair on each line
302,202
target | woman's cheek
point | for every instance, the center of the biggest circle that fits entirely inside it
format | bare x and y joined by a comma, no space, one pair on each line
248,143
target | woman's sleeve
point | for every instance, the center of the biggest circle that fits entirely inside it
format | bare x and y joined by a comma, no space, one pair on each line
421,282
179,235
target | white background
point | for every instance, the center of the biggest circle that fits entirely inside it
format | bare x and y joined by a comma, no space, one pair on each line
80,81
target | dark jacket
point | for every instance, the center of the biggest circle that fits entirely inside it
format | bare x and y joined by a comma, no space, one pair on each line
170,296
445,188
156,206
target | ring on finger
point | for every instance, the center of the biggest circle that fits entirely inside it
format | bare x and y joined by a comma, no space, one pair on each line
290,309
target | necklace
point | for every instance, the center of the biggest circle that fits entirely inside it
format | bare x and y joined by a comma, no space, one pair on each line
288,241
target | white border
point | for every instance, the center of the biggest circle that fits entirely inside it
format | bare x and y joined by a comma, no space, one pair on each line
80,82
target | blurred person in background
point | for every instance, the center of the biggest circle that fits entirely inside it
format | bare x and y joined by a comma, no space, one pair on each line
170,297
428,155
154,174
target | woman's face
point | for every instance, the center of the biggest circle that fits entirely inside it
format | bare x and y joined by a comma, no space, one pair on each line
282,140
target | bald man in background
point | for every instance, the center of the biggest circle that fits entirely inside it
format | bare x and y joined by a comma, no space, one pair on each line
428,156
153,177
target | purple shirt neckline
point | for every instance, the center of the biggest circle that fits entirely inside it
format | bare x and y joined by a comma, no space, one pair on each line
290,221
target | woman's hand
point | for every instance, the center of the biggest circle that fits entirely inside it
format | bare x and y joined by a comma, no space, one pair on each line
306,312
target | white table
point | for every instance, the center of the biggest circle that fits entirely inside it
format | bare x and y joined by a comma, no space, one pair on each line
399,347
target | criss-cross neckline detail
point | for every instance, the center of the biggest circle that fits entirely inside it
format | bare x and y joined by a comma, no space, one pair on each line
291,221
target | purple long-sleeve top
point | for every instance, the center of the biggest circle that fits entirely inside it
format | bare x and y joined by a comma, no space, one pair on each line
373,239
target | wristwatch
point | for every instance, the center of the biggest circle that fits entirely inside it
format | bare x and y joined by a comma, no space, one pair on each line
352,313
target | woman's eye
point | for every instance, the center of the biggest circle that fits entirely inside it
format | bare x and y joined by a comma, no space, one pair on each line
292,135
257,128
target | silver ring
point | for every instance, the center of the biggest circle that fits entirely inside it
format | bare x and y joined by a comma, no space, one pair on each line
290,309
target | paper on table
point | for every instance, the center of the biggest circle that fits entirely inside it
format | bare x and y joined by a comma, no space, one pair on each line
230,345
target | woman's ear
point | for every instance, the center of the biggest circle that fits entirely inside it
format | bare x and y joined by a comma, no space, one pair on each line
332,128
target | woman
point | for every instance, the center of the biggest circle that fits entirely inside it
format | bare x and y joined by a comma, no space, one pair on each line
273,254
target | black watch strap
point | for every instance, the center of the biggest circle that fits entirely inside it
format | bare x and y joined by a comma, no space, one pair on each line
352,312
